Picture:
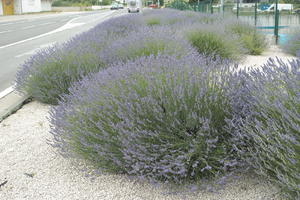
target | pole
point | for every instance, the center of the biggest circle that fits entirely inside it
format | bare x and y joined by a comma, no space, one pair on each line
276,22
255,13
211,7
237,8
222,6
198,6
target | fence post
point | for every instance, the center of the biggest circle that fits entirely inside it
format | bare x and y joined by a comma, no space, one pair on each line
276,22
255,13
237,8
222,7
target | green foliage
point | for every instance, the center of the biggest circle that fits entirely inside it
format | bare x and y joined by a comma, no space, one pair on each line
51,78
180,5
62,3
161,2
214,44
290,1
152,21
106,2
253,41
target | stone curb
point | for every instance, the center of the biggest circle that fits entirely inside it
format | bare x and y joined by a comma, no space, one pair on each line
11,103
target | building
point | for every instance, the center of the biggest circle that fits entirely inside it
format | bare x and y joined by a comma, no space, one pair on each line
11,7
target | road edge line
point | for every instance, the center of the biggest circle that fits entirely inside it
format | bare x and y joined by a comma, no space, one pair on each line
6,91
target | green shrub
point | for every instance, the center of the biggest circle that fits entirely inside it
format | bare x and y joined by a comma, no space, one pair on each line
52,72
152,21
253,41
158,117
61,3
180,5
215,44
48,74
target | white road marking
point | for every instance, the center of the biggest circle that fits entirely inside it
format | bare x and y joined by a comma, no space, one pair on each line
48,23
35,50
16,22
5,31
68,25
6,24
6,91
28,27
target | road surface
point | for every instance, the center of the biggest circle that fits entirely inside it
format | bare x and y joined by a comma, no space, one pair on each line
20,39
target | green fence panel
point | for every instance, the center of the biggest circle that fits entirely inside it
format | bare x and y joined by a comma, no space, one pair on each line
260,13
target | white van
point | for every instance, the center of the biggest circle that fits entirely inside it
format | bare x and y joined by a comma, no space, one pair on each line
281,7
134,6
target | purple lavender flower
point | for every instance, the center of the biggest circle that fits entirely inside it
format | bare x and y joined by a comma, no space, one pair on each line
160,117
268,117
50,72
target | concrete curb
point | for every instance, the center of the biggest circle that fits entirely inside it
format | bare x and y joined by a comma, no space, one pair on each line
11,103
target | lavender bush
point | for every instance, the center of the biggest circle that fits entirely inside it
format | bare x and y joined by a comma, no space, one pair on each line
253,41
269,130
50,72
145,42
214,43
171,17
158,117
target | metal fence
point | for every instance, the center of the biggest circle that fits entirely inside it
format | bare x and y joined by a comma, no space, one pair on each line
269,16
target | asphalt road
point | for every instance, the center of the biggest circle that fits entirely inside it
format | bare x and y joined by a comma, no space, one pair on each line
20,39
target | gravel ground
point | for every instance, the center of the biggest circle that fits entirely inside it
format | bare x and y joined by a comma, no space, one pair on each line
32,169
273,52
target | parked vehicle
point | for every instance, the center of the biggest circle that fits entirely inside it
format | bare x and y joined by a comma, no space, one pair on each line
281,7
120,6
244,5
153,6
134,6
297,11
114,6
